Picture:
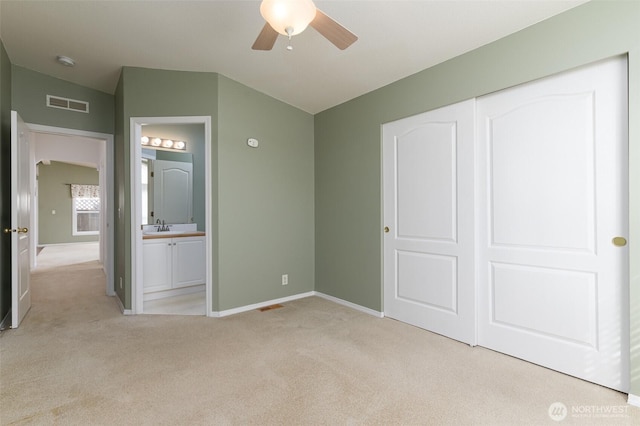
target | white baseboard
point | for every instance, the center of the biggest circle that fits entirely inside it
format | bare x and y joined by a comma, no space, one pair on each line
121,306
633,400
350,305
241,309
296,297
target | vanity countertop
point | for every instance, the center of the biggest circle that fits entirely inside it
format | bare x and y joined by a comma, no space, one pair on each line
171,235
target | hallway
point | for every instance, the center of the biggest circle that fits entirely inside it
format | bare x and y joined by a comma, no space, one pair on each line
68,284
61,255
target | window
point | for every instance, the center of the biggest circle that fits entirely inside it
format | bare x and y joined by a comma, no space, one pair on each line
85,206
86,216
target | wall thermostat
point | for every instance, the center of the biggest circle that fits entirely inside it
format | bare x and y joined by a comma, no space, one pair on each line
253,143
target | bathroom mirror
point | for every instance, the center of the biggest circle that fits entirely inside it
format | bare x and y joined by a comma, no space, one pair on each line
167,187
167,176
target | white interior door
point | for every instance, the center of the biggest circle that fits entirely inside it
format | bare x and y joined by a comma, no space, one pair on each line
173,191
428,169
553,173
20,216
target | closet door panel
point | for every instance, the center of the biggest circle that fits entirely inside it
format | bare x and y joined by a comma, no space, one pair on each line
428,206
552,196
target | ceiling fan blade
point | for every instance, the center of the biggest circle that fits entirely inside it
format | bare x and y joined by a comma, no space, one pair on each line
266,39
333,31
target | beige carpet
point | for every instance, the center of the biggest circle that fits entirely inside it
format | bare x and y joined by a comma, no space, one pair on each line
76,360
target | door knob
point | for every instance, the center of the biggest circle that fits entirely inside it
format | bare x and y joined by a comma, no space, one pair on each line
19,230
619,241
386,229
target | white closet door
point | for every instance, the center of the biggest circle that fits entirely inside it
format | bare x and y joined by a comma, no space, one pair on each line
553,183
428,171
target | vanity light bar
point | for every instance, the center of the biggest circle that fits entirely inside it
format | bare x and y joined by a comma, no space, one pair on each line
155,142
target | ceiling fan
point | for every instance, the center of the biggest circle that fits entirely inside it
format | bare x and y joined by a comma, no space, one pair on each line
291,17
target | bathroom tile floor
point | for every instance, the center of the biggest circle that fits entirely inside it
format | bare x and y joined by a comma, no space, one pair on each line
188,304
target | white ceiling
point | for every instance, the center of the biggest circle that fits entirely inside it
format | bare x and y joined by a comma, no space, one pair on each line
396,39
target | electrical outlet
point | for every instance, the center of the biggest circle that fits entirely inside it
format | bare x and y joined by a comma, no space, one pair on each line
285,279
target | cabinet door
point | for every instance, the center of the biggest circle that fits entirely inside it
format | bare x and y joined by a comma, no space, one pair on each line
156,255
188,261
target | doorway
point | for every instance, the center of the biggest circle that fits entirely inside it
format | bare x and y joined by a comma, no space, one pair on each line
171,258
85,149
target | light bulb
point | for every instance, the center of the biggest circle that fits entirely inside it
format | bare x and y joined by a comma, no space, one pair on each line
156,141
179,145
144,140
167,143
281,14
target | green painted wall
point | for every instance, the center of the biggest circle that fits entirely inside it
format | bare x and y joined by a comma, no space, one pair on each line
54,193
348,140
157,93
5,180
30,90
262,198
193,135
266,197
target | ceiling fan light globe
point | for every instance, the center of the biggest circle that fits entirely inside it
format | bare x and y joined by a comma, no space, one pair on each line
282,14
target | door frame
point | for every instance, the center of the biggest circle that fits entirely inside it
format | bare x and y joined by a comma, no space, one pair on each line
107,196
135,133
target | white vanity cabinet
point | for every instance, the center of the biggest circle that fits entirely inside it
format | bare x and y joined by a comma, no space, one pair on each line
188,261
171,263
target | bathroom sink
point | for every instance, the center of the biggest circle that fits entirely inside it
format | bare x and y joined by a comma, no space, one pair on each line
167,233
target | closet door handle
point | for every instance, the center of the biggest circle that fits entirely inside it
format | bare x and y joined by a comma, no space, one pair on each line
619,241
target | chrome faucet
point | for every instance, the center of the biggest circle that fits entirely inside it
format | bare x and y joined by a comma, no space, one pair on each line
163,227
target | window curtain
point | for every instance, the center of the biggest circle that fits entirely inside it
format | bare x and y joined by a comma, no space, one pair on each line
85,191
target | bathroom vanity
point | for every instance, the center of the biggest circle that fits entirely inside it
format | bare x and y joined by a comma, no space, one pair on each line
173,263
